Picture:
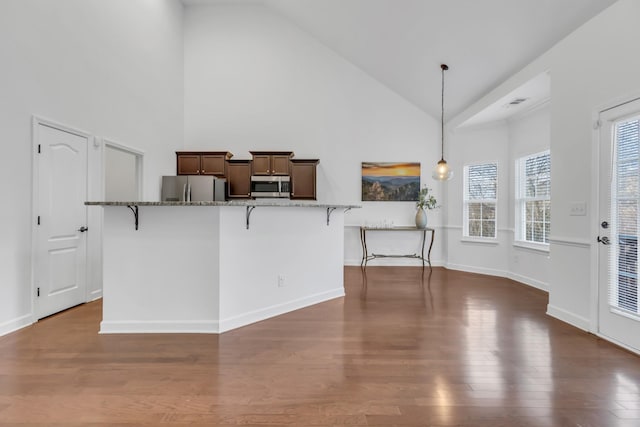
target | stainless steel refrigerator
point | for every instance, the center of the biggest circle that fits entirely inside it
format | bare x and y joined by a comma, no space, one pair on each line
193,188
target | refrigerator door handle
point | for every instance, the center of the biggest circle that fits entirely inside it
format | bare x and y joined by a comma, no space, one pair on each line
189,191
184,193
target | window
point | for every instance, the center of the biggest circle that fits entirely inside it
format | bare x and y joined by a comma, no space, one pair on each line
533,198
480,199
623,293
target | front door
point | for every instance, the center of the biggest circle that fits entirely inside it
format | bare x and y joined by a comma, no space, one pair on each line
61,190
618,308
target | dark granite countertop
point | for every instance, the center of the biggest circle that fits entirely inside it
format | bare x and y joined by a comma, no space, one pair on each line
250,203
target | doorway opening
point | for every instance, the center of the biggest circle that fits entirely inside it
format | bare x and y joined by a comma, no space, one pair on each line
122,172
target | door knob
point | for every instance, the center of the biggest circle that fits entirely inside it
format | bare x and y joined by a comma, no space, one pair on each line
604,224
604,240
83,229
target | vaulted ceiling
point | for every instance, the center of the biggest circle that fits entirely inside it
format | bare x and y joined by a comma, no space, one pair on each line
401,43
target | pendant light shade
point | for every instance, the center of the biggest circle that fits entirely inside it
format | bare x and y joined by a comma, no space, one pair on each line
442,172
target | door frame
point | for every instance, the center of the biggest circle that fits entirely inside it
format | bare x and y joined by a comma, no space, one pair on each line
139,155
37,121
597,212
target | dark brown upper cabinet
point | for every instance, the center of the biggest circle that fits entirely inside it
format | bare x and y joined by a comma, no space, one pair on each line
239,179
303,178
202,162
271,162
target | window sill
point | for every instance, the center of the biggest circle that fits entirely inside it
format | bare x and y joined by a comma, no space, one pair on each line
481,240
538,247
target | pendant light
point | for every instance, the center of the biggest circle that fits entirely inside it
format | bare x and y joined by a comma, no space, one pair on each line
442,172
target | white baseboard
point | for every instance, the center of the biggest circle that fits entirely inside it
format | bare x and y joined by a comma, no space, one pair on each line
276,310
391,262
568,317
478,270
15,324
94,295
159,327
466,268
529,281
618,343
214,326
501,273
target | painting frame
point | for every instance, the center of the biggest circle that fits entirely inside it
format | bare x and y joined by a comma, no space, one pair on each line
390,181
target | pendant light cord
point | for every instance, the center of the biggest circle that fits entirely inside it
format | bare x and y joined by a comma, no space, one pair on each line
443,67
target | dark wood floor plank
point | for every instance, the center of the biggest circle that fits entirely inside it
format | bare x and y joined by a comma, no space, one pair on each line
446,349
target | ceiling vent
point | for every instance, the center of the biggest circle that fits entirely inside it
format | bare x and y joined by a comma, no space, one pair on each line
516,101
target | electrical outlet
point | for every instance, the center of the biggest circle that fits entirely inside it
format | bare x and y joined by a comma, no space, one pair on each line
281,280
578,208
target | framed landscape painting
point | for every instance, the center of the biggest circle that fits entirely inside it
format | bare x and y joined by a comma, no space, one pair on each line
390,182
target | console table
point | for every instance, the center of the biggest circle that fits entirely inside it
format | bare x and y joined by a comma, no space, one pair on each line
366,257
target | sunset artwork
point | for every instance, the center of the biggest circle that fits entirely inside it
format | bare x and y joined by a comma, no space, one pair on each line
395,182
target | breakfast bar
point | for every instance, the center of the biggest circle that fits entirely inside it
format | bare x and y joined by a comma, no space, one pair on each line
209,267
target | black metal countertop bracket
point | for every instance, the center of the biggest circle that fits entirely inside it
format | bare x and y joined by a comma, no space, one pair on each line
248,214
329,212
134,209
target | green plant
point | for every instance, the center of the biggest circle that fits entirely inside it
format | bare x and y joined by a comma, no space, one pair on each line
426,200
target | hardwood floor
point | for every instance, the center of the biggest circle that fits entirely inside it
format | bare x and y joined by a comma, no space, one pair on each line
457,350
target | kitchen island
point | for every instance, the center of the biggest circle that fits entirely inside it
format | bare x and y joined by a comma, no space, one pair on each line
209,267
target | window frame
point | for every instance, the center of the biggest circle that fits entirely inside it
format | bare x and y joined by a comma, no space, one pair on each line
465,204
520,217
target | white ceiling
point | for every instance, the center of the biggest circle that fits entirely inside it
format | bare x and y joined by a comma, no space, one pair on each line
532,94
402,43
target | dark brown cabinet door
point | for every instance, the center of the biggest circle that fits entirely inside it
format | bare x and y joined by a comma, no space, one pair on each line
188,164
279,165
202,162
212,165
261,164
239,179
303,179
271,162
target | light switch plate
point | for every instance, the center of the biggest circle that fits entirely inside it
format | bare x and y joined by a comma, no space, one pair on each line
578,208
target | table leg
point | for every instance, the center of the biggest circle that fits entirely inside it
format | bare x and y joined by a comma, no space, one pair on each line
424,238
433,233
363,242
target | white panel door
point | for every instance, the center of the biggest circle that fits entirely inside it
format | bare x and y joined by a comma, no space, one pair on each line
618,308
60,264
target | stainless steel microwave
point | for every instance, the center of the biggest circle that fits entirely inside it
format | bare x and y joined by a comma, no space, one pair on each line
270,186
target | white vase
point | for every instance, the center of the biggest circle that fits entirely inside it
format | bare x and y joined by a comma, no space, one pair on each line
421,218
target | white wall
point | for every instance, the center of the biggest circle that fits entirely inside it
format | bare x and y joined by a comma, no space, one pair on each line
591,69
199,269
111,68
502,142
120,175
528,135
255,81
292,244
488,144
